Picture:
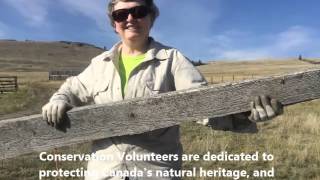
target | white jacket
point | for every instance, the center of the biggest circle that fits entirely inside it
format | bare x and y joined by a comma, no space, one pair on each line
164,69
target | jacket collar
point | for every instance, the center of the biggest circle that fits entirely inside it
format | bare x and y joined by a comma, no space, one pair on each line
155,51
112,53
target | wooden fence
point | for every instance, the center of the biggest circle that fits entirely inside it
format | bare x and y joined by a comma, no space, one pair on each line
134,116
8,84
221,78
57,75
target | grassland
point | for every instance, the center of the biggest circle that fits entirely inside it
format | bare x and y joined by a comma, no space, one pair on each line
217,72
292,138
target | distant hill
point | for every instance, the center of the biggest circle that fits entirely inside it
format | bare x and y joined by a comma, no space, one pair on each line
44,56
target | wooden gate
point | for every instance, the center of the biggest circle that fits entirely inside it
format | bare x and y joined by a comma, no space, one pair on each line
8,84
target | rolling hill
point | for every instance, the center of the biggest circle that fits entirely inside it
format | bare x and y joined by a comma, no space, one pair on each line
44,56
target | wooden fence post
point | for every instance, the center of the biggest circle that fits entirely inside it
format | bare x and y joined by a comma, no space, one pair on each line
16,83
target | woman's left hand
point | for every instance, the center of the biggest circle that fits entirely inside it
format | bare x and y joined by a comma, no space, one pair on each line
264,108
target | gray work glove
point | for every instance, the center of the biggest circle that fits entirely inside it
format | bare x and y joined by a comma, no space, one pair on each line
264,108
54,112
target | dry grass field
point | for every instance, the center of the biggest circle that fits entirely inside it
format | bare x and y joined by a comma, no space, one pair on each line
292,138
221,71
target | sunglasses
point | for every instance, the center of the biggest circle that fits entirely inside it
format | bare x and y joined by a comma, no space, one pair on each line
137,12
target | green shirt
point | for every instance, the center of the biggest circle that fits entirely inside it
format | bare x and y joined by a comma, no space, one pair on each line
126,65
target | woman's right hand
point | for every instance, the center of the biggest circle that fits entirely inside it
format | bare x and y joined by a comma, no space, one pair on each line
55,111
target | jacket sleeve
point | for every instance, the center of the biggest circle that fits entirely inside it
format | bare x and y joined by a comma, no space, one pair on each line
185,74
77,90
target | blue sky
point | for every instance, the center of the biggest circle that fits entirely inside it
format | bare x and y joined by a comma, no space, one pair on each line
201,29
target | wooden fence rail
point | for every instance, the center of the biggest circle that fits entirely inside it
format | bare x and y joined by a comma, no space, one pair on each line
31,133
220,78
8,84
57,75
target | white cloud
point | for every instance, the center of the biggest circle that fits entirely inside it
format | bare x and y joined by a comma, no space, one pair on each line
93,9
249,54
294,37
289,43
182,24
2,34
35,11
3,30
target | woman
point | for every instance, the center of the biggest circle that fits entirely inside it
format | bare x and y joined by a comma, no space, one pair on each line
138,66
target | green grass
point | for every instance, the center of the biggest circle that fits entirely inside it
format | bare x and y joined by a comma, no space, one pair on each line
17,101
27,166
292,139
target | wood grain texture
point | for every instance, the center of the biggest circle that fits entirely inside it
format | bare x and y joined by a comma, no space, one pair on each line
31,133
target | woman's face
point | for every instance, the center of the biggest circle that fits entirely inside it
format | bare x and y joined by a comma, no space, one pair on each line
132,29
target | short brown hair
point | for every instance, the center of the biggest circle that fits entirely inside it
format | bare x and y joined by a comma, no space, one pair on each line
154,11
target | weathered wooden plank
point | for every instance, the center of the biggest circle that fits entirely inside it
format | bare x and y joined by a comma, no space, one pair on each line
27,134
58,77
7,83
62,74
5,90
8,77
8,90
